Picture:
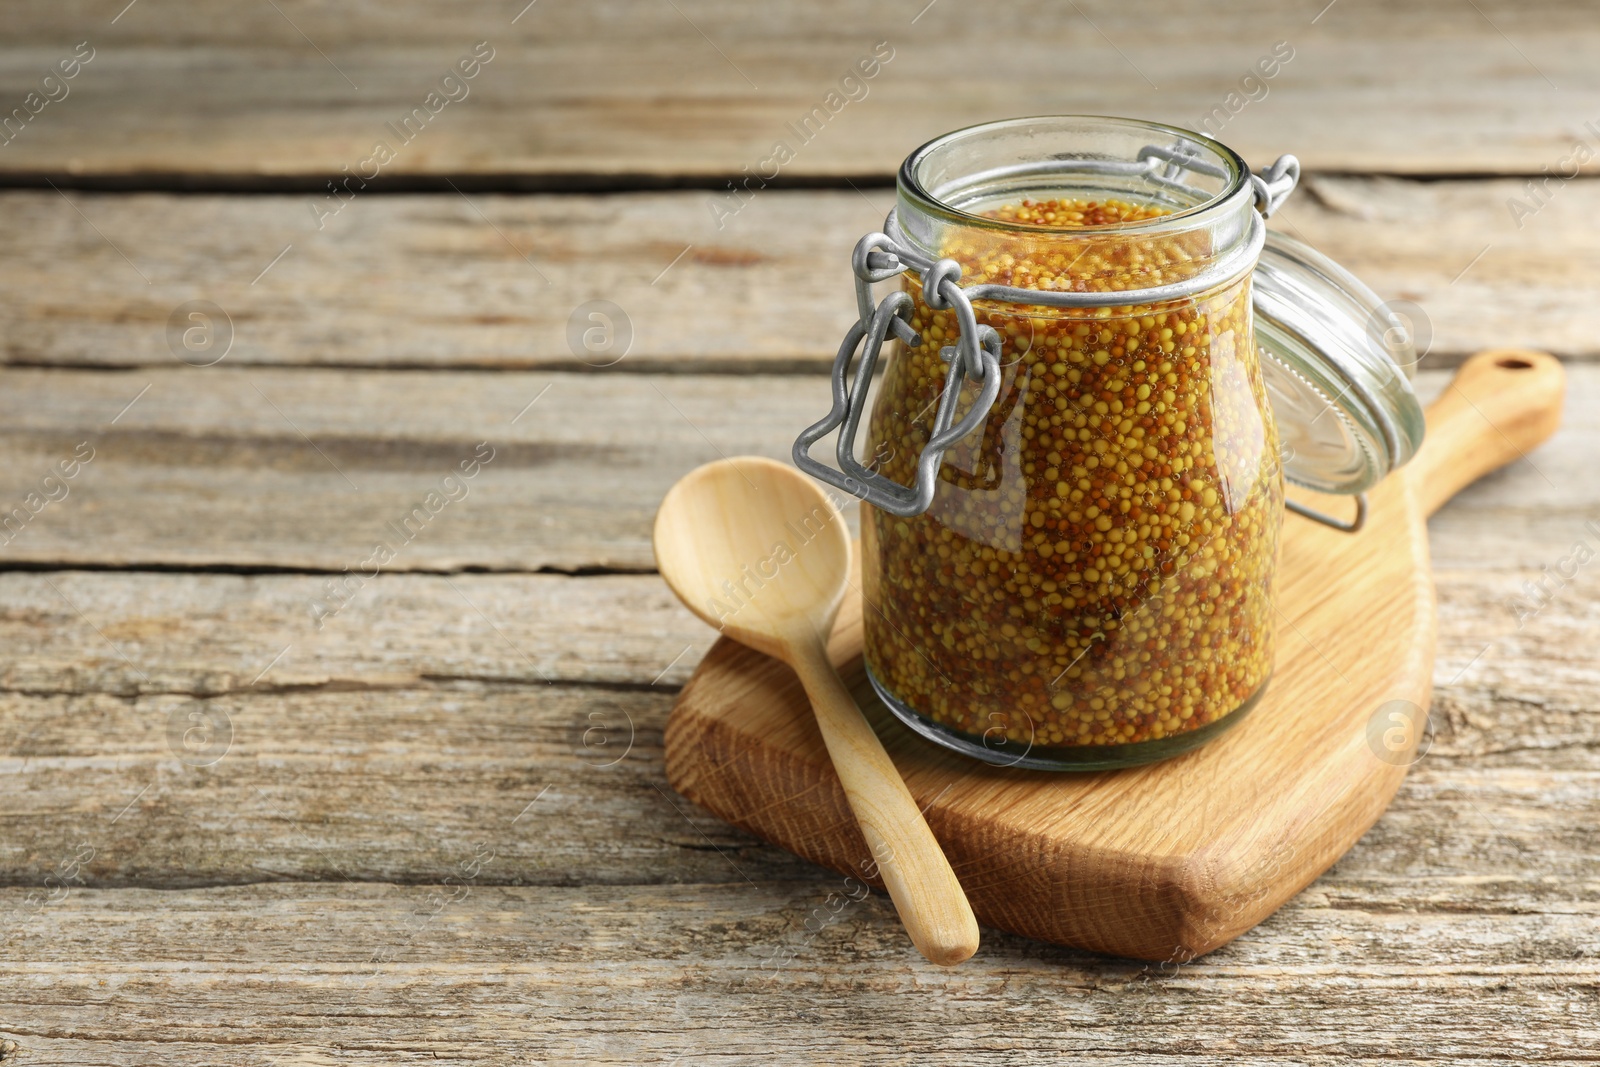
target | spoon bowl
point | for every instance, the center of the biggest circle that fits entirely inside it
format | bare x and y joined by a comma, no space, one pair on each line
756,549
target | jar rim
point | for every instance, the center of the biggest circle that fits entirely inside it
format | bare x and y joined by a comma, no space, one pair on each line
913,187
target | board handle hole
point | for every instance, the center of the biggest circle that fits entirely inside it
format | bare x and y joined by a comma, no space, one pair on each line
1513,363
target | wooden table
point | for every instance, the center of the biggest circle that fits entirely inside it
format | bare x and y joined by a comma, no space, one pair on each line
267,800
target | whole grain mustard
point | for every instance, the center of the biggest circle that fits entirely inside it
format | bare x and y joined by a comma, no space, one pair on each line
1096,567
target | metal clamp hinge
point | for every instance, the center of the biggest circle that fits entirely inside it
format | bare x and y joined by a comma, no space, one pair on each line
1274,184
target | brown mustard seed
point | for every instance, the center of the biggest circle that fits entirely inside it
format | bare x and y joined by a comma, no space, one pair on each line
1096,567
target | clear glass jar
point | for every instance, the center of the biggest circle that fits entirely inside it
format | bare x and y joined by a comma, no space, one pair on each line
1072,510
1093,581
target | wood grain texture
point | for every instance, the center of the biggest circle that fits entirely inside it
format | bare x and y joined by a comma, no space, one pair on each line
312,470
652,92
367,778
127,633
1502,404
410,732
1478,889
306,469
392,785
339,974
1170,860
460,281
401,785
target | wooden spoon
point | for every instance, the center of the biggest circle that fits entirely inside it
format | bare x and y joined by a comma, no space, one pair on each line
756,549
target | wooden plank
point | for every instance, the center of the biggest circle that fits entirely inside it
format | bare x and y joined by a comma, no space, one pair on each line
567,784
381,784
315,469
498,281
311,469
455,281
208,634
704,88
731,974
215,634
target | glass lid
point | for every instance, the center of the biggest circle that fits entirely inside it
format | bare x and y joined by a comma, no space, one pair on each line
1338,370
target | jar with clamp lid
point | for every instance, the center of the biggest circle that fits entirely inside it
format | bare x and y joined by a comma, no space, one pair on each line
1103,369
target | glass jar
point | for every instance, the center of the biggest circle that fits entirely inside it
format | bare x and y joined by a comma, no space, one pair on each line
1075,485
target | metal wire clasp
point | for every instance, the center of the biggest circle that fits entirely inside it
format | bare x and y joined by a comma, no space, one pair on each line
1273,185
974,357
976,354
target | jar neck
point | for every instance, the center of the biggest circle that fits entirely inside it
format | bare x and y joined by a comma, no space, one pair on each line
1085,204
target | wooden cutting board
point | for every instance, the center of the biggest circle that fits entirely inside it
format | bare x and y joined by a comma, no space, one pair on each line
1170,860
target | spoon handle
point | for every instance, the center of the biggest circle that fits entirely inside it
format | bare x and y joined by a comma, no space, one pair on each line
932,905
